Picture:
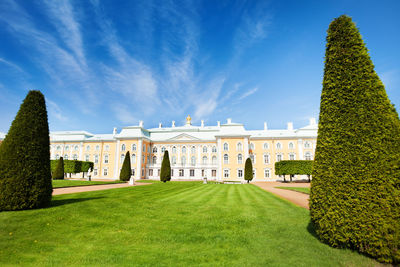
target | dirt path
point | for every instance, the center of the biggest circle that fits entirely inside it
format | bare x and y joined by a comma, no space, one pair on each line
299,199
79,189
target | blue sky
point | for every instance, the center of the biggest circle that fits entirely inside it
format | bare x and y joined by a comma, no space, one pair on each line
105,64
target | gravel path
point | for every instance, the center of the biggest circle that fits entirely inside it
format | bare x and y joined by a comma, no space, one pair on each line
79,189
300,199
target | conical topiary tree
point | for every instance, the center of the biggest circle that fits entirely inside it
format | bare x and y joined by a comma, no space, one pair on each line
248,170
25,177
126,172
58,173
165,174
355,191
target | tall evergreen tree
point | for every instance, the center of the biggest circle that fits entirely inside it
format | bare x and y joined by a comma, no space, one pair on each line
58,173
25,177
248,170
355,191
165,174
126,171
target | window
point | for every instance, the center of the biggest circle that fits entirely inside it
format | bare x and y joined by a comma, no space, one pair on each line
226,173
144,148
278,145
214,173
105,171
204,160
143,158
172,172
191,173
97,148
204,149
239,147
65,156
307,144
266,173
106,159
214,160
66,148
155,149
163,149
240,159
226,148
214,149
193,160
95,172
183,160
226,159
266,146
148,149
184,150
148,159
122,157
87,148
291,145
58,148
134,147
292,156
142,172
203,173
252,157
74,156
76,148
173,149
133,172
266,159
252,146
133,158
107,148
57,156
240,173
173,160
193,150
150,172
279,157
308,156
154,160
96,158
87,158
181,173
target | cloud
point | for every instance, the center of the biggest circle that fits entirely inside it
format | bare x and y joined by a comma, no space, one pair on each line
122,113
248,93
10,64
54,110
207,103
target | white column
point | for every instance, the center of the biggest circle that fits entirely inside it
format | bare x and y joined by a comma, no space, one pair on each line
117,159
80,151
139,160
246,148
219,158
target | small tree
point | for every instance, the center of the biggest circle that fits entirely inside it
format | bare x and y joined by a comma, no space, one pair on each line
165,174
58,173
125,174
248,170
25,177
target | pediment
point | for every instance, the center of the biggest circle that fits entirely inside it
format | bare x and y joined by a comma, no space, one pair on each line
183,137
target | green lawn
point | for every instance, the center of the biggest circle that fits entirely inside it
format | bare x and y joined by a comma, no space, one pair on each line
304,190
70,183
172,224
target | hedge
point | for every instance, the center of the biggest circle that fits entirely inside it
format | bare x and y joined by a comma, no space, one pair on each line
355,191
73,166
293,167
58,173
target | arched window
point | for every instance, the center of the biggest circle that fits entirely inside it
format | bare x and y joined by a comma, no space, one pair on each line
193,150
123,147
134,147
252,158
183,160
76,148
97,148
154,160
174,149
193,160
155,149
133,158
87,148
214,149
279,157
96,158
291,145
226,147
204,160
204,149
107,147
266,146
74,156
252,146
57,156
65,156
122,157
105,158
278,145
87,158
240,158
239,147
163,149
58,148
308,156
144,148
214,160
266,159
226,159
307,144
173,160
66,148
184,150
292,156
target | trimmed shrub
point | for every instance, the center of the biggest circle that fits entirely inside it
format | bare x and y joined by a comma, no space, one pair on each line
248,170
355,191
165,174
58,173
73,166
126,171
25,177
293,167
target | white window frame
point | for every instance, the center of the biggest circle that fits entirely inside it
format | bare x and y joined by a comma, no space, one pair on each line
240,173
239,146
226,147
268,170
226,173
240,161
226,159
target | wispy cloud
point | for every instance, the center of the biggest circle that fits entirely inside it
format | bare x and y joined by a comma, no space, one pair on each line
11,64
248,93
55,111
123,114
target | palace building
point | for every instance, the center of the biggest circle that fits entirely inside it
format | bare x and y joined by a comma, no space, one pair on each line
216,152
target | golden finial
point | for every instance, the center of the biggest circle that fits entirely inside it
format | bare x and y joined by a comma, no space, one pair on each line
188,120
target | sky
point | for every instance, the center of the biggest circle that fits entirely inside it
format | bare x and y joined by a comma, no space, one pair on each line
104,64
